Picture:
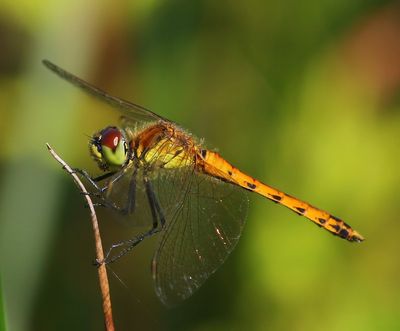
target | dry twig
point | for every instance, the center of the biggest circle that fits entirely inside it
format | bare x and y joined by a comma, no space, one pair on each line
102,271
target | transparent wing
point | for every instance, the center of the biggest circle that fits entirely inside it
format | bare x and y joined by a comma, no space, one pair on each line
127,200
130,109
205,220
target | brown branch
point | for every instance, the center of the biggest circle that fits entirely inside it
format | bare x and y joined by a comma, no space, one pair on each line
102,271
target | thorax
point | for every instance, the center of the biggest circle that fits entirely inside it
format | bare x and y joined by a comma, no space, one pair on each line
163,145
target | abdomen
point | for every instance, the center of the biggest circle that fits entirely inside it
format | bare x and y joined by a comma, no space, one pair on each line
214,165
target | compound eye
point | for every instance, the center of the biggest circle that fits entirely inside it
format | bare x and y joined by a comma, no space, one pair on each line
113,146
111,137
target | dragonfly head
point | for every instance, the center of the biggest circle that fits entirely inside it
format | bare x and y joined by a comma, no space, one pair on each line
109,148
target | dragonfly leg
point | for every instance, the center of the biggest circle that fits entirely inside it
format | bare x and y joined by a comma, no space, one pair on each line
156,209
158,218
94,181
101,191
129,207
130,244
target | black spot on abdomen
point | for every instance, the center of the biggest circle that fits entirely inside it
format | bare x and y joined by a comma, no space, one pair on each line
343,233
251,186
335,226
276,197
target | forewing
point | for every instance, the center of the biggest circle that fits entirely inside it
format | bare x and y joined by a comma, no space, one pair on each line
129,109
203,227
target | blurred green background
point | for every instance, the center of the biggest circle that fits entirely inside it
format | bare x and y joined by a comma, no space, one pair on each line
303,95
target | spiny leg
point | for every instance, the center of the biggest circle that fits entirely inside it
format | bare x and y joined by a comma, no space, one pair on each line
156,209
94,181
102,191
157,216
130,203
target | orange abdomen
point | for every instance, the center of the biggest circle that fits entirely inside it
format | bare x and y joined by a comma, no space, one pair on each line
213,164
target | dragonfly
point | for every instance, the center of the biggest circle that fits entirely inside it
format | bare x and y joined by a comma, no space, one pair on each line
197,200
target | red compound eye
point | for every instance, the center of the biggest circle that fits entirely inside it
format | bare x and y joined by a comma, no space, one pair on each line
110,137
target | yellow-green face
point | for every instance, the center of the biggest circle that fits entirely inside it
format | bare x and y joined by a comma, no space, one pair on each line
109,148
